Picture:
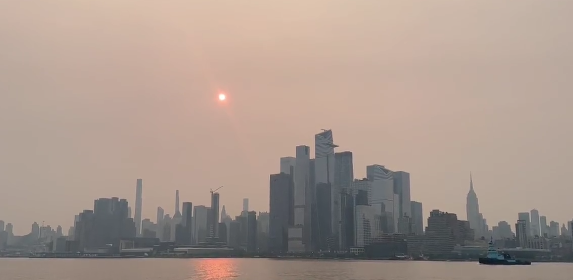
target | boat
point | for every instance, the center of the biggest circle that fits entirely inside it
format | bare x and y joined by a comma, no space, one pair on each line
496,258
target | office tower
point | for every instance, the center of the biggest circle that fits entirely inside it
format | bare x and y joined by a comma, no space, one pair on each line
263,222
281,216
148,229
504,230
214,216
299,234
382,196
234,234
417,218
252,232
564,230
323,208
347,219
138,205
443,233
343,179
129,212
223,213
544,229
200,214
366,225
324,163
521,233
107,224
177,213
223,233
263,232
160,214
1,225
524,216
287,165
402,188
187,223
482,228
9,229
364,187
472,211
553,229
535,226
246,204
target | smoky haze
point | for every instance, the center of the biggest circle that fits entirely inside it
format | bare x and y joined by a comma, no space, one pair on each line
95,94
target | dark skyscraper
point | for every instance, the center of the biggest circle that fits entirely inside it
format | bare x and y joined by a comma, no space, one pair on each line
105,226
323,207
213,217
417,218
177,209
187,222
281,211
347,217
138,205
252,232
402,189
343,178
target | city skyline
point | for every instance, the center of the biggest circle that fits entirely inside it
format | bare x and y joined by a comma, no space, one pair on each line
284,163
86,110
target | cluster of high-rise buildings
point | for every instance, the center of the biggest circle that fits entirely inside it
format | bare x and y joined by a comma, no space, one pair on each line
316,204
532,231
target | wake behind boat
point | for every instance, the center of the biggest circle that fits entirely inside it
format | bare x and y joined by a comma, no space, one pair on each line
495,258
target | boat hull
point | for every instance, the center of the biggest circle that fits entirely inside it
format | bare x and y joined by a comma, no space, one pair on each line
489,261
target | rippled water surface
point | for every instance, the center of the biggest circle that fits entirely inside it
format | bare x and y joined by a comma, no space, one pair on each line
263,269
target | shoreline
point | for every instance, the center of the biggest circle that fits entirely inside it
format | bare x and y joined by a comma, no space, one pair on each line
289,258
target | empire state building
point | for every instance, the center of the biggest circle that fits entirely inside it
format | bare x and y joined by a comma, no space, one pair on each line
472,211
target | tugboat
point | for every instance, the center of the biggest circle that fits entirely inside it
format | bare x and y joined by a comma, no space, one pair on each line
496,258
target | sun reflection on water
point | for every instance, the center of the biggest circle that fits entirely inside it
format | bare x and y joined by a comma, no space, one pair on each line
216,269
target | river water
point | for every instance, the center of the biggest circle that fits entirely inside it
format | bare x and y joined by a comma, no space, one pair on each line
265,269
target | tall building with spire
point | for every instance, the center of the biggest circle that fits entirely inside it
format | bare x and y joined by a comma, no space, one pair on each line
138,206
177,211
472,211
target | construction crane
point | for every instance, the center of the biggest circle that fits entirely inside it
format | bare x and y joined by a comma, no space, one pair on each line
212,191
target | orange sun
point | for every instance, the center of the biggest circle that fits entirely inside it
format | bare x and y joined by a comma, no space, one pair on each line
222,97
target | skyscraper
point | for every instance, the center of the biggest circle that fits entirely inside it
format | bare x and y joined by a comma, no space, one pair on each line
524,216
299,234
187,223
343,178
521,233
160,224
1,225
535,223
246,204
402,188
200,214
544,229
287,165
214,221
160,214
472,211
281,215
324,213
138,205
417,218
177,213
324,163
382,197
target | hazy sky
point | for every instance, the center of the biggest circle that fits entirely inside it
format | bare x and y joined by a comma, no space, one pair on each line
95,94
